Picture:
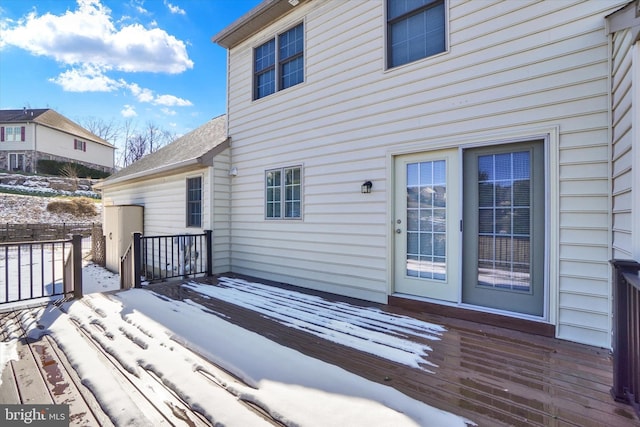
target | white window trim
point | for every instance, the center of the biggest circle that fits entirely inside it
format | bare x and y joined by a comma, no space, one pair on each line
282,200
283,29
186,204
385,56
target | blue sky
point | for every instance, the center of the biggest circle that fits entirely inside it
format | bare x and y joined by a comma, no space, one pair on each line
117,60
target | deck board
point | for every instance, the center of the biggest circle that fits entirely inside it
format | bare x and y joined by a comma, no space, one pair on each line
490,375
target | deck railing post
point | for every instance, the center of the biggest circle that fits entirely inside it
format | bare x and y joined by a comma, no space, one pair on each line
137,259
76,243
620,333
626,333
209,234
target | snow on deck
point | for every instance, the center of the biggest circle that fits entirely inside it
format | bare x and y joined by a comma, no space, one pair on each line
133,350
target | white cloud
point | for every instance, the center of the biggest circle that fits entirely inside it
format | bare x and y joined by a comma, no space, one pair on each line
86,78
148,96
88,36
138,5
141,94
176,10
168,112
128,111
171,101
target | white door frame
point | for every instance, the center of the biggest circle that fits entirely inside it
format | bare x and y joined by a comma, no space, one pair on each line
551,136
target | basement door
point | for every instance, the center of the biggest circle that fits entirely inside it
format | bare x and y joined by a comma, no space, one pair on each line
471,229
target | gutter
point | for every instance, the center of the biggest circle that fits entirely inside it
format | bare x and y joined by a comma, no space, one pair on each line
253,21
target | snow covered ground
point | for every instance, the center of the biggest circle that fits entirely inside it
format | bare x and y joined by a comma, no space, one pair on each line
19,209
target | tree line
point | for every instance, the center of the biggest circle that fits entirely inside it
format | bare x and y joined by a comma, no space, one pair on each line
132,142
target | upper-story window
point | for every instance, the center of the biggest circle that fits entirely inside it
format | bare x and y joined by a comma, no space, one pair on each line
12,133
79,145
279,63
416,29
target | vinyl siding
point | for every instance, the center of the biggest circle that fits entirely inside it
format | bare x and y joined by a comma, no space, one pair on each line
164,201
622,150
511,68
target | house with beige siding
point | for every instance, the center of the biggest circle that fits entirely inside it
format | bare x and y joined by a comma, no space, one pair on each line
474,159
30,135
183,188
477,159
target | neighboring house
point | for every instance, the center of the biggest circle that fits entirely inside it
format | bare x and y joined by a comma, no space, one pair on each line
183,187
500,140
29,135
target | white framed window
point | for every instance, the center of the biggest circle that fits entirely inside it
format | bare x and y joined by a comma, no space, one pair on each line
279,63
283,193
194,201
416,29
12,133
79,145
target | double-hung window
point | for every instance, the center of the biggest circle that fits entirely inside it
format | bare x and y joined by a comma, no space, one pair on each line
79,145
283,193
416,29
194,202
279,63
12,133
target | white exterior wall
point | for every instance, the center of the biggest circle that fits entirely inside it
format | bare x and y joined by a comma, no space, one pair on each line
51,141
164,201
623,146
512,69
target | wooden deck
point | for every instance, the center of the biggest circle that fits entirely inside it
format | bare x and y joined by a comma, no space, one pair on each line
490,375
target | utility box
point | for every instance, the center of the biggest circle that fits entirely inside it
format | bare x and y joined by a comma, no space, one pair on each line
120,222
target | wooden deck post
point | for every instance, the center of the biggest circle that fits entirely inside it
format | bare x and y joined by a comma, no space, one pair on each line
137,259
76,242
208,234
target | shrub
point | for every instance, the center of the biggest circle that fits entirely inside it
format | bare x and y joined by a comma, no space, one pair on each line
78,206
54,167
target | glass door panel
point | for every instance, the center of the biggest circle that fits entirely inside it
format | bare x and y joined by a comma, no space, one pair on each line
425,225
503,227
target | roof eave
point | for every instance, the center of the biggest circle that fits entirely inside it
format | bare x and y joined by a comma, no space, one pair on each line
149,173
204,160
253,21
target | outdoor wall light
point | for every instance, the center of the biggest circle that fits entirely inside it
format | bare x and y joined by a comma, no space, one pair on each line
233,171
366,187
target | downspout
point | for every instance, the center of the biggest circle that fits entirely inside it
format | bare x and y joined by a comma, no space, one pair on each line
635,149
229,177
609,175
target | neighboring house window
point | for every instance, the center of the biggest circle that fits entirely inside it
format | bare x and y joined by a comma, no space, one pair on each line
279,63
80,145
283,193
12,133
415,29
194,202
